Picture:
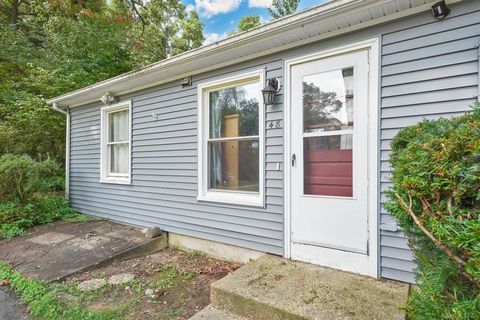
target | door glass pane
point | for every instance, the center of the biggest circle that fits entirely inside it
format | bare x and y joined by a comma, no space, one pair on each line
234,111
118,126
119,158
233,165
328,165
328,101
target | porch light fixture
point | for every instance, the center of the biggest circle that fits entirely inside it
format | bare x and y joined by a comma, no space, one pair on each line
440,9
273,86
107,98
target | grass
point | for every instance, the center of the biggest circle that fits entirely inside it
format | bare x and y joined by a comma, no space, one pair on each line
44,305
165,278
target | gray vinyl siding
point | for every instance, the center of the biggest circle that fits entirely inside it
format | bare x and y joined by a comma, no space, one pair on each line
428,71
163,191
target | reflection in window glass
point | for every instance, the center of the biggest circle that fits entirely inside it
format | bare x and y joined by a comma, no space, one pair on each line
328,101
241,102
233,164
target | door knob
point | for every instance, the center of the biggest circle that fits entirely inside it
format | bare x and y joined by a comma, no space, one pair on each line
294,158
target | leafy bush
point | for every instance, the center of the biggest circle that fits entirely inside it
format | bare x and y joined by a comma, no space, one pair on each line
30,195
15,217
436,199
21,177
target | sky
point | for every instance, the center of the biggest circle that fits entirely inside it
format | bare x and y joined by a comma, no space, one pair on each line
221,16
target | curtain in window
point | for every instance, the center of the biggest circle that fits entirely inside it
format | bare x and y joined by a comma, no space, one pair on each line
119,157
118,132
119,126
215,132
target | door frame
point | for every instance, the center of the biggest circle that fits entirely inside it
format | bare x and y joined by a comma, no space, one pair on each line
373,213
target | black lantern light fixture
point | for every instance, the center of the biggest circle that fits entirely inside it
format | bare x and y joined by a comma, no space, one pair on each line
440,9
273,86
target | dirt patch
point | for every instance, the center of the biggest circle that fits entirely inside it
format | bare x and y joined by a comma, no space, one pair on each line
170,284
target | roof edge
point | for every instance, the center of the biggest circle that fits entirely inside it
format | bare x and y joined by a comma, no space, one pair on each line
276,27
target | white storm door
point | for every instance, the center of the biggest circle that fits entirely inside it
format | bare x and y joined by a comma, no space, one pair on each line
329,165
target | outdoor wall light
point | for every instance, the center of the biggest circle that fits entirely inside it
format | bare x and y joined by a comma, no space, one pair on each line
107,98
273,86
440,9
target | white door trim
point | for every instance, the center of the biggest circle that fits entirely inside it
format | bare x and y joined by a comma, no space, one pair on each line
373,157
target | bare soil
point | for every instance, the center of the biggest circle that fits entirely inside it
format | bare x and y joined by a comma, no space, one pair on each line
180,282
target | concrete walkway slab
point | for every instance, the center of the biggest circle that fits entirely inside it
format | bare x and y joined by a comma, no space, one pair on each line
53,252
272,288
10,306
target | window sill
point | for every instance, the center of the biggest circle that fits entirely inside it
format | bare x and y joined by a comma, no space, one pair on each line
115,180
232,198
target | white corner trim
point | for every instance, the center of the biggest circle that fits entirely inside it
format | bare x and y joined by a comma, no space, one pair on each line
239,198
373,156
104,178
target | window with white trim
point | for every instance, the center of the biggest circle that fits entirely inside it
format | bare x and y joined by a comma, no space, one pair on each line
231,125
116,136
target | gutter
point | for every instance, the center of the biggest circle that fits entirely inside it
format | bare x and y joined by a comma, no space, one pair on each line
66,112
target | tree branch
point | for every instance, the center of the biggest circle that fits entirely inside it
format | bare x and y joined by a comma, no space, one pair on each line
134,8
458,260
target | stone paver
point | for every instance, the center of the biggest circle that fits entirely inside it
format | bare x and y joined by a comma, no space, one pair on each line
91,285
51,238
121,278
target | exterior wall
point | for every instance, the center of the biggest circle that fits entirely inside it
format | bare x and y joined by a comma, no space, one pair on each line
163,191
430,69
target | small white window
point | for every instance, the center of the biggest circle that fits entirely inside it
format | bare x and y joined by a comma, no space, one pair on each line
116,136
231,140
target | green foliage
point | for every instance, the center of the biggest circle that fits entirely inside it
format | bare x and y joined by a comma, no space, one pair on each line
282,8
436,199
50,48
16,217
249,22
29,195
21,177
44,305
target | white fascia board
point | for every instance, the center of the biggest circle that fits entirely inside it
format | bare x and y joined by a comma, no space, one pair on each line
255,43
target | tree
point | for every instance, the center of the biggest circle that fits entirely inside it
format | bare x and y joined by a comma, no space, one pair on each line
47,50
191,35
248,22
281,8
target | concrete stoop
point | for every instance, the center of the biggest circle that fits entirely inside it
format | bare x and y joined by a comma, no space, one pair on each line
272,288
211,313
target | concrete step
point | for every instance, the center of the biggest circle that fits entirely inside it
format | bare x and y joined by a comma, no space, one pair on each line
272,288
210,313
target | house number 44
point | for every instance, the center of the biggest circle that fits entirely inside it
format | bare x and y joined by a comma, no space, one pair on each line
274,124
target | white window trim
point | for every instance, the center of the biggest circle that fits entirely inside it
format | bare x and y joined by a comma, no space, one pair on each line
221,196
105,177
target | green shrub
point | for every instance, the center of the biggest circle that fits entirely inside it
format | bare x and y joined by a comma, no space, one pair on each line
21,177
436,199
43,208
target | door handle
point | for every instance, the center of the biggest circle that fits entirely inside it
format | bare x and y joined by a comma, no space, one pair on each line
294,158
